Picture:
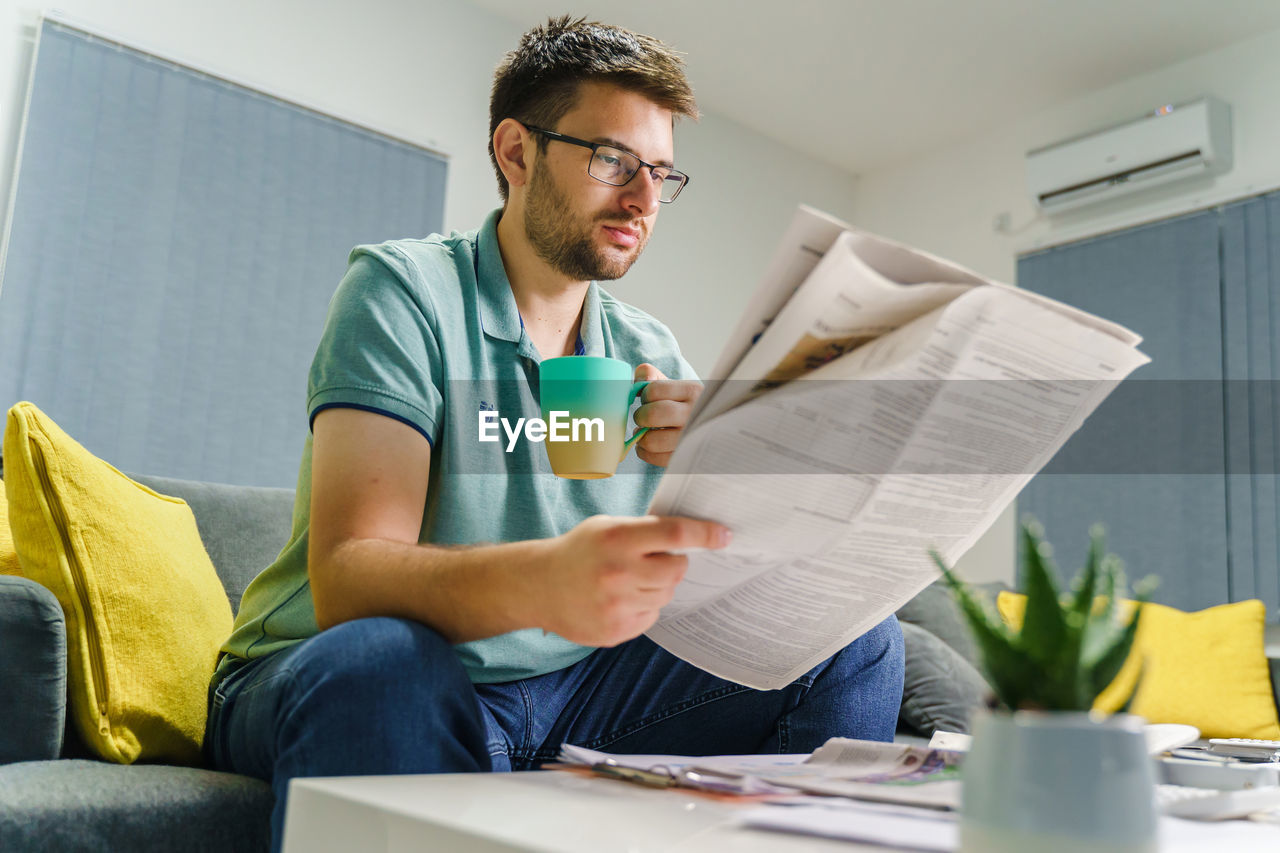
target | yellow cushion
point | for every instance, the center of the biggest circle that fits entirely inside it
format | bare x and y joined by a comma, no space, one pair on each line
1207,669
8,556
144,608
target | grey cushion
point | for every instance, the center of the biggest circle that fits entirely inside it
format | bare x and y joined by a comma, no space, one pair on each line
74,805
1275,679
935,610
243,527
940,688
33,671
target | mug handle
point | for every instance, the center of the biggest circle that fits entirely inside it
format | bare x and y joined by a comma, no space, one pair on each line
636,389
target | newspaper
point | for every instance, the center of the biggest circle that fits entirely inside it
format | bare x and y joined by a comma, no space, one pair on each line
873,403
842,767
869,770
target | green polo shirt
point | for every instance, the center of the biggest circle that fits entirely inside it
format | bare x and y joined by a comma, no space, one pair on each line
427,332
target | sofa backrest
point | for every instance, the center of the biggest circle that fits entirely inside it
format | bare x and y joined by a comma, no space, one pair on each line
243,527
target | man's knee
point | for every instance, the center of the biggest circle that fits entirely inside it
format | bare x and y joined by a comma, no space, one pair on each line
879,651
885,647
378,695
885,640
379,657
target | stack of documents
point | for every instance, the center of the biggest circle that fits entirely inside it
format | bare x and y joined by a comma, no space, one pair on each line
882,776
843,767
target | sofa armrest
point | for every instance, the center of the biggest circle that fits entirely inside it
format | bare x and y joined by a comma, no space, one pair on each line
33,671
1274,663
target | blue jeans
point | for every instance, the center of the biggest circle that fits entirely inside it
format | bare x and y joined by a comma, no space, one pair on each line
385,696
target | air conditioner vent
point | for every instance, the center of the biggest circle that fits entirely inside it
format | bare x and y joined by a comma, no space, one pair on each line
1172,143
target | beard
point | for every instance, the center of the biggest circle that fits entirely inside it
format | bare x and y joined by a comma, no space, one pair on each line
567,242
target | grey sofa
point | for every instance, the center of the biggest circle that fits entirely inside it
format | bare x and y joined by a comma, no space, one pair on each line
54,796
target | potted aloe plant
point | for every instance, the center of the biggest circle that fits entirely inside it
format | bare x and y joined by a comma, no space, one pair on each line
1045,773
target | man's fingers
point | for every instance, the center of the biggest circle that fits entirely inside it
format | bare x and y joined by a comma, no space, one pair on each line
646,372
657,441
657,534
684,390
661,460
661,572
661,414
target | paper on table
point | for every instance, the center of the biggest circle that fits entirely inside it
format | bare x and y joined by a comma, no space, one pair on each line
725,774
935,831
1161,737
883,772
955,741
742,764
923,829
837,484
930,831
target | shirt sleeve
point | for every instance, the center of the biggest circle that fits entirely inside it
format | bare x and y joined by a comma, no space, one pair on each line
379,350
684,370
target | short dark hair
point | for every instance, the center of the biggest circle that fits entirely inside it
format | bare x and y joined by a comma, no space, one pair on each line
537,83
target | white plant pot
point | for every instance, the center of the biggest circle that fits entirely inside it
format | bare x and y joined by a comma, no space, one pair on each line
1051,782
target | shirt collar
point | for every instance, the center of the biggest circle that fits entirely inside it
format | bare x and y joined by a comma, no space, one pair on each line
590,331
498,313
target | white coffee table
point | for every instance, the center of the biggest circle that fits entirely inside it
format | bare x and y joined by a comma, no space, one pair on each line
538,811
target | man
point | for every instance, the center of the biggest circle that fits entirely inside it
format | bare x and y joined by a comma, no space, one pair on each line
385,638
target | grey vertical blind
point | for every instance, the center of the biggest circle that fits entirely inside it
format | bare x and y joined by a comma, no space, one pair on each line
1181,462
1162,518
1251,359
173,247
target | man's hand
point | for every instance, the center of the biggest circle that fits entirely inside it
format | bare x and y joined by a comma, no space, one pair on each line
605,580
665,408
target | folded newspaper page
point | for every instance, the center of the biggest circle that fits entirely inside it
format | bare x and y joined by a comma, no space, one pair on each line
867,770
874,402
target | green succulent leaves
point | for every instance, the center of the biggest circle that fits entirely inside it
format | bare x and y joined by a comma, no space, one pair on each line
1071,646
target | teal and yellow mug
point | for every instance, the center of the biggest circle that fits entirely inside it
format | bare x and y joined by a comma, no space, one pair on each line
585,401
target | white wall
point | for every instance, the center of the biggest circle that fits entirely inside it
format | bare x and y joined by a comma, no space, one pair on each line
422,70
947,202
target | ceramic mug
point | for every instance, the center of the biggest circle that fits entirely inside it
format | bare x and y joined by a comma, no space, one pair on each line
585,401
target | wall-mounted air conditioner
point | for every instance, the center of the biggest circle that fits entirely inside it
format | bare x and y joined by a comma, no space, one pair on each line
1173,142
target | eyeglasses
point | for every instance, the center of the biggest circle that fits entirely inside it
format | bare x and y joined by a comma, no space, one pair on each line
616,167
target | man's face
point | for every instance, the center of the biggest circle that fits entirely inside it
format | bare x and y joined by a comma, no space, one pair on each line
585,229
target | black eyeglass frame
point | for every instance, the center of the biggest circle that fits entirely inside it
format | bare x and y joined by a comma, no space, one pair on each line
594,146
